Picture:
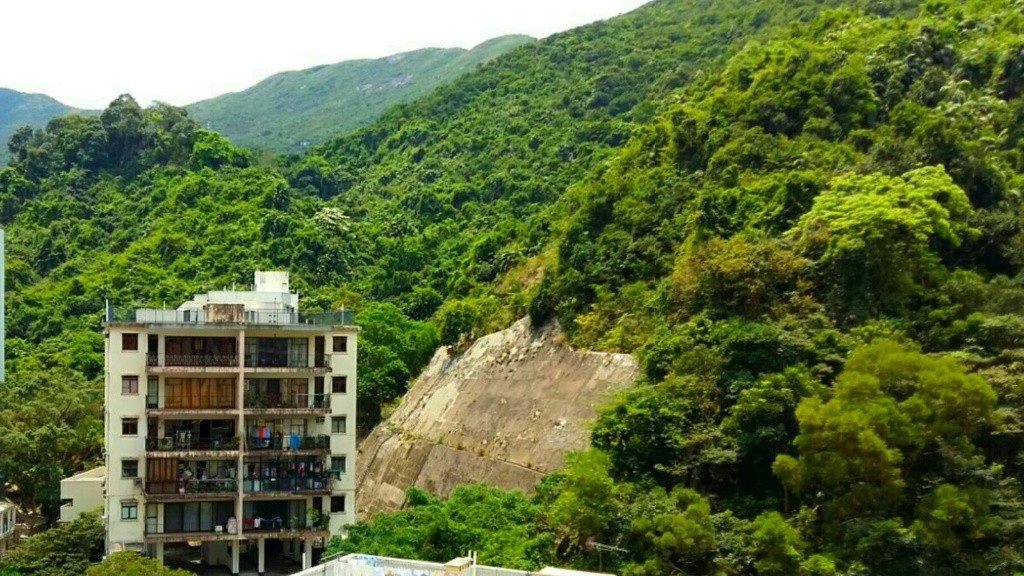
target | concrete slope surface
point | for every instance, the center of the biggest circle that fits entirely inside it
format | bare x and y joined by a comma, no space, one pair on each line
504,412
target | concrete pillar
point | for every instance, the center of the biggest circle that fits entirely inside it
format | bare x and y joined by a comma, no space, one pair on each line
240,431
307,554
236,548
160,553
261,546
296,550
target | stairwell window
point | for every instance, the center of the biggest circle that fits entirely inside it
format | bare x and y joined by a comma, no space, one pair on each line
338,464
129,384
340,343
129,342
129,509
129,426
339,424
129,468
339,384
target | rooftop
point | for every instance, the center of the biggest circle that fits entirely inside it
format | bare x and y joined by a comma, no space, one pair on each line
355,565
94,475
268,302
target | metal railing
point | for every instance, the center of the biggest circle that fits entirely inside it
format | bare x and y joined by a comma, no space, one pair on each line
258,401
285,360
312,483
288,442
193,486
269,317
180,445
192,360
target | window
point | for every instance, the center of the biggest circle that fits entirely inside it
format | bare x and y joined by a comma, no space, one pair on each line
339,424
340,343
129,468
337,504
129,342
129,384
338,463
129,426
129,510
339,384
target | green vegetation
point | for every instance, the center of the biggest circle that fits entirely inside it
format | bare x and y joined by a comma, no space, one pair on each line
18,109
291,111
67,549
803,218
132,564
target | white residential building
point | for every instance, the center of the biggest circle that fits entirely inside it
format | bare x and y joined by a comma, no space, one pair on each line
230,422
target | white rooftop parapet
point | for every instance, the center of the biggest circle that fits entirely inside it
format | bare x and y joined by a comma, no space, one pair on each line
366,565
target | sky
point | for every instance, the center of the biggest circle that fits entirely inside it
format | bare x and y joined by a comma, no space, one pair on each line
85,53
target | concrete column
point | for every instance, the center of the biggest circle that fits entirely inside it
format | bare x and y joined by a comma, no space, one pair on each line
236,546
296,551
160,553
261,546
240,431
307,554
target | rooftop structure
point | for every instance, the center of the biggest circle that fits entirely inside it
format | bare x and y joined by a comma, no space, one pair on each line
82,492
230,424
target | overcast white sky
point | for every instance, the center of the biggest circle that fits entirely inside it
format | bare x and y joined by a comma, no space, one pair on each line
85,53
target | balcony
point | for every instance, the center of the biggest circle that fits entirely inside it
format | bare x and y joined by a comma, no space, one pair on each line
289,444
192,447
274,404
271,488
282,363
192,490
190,363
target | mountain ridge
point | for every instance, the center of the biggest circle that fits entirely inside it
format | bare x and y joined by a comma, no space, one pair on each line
291,110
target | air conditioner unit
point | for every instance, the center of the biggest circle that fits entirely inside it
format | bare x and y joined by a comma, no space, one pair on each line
138,481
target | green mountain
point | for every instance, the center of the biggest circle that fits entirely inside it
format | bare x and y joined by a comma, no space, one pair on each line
291,111
802,217
19,109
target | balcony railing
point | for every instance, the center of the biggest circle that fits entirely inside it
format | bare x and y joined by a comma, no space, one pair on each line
192,360
252,316
258,401
314,483
181,445
288,442
216,486
284,360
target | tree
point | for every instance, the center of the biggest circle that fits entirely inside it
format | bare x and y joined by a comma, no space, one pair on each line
872,237
895,418
67,549
132,564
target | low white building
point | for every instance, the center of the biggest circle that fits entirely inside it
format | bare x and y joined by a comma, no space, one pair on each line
8,521
367,565
82,493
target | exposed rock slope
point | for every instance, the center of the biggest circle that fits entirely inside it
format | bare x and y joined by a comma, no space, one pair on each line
504,412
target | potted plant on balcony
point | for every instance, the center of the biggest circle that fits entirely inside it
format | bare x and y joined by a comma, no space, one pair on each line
235,442
317,519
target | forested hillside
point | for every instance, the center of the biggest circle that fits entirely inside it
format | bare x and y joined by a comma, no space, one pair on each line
803,218
18,109
291,111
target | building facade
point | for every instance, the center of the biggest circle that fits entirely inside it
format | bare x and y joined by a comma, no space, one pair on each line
230,425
